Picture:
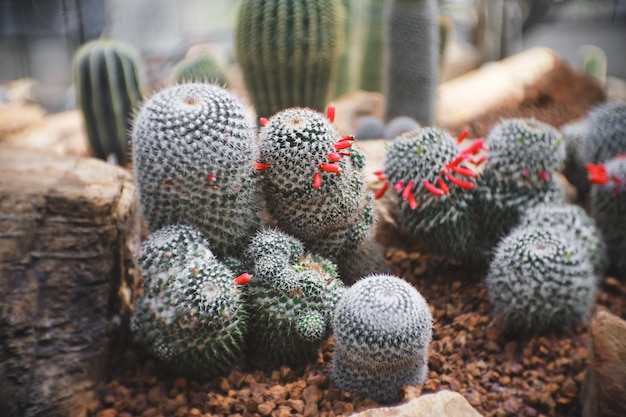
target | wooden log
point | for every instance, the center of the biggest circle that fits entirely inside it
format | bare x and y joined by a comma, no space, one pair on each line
68,230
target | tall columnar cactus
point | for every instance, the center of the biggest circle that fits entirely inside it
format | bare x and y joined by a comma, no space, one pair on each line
412,62
194,151
382,331
574,221
604,136
435,180
519,173
540,279
108,86
288,51
608,208
202,68
291,298
314,184
373,48
191,313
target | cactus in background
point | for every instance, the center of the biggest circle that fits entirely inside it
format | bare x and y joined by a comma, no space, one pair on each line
194,151
604,132
191,313
382,328
573,220
343,84
369,127
288,52
315,187
608,208
540,280
371,65
436,181
291,298
446,27
574,167
202,69
519,173
399,125
411,68
108,86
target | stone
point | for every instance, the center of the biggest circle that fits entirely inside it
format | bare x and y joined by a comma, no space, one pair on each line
604,387
68,230
442,404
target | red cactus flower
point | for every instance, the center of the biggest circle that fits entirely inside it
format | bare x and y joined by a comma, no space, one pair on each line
597,174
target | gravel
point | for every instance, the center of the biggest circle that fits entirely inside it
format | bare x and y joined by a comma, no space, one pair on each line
498,374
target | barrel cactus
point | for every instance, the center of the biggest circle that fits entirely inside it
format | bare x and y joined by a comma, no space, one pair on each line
382,327
107,78
540,280
288,51
291,297
194,152
202,68
191,313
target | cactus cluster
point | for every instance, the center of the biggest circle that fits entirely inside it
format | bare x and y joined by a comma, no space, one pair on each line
290,300
193,156
108,86
191,312
382,328
540,280
288,52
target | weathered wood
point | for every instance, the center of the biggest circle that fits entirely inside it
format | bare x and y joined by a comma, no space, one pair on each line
68,229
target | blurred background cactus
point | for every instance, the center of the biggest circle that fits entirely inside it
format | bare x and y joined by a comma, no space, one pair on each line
289,52
202,68
107,77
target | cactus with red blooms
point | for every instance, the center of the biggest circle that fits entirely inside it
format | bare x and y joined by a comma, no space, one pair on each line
608,208
315,191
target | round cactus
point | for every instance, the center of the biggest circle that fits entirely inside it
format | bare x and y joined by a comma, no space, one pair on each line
369,127
191,313
573,220
202,68
291,298
540,279
399,125
604,134
382,328
194,154
574,166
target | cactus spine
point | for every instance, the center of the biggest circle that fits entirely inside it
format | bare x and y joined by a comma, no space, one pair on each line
412,60
108,86
288,51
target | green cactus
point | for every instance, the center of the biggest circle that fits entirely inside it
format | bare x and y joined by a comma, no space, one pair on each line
523,157
373,48
604,132
399,125
343,84
573,220
291,298
608,208
108,87
315,192
411,68
435,182
540,280
288,51
203,68
382,327
574,167
194,151
190,314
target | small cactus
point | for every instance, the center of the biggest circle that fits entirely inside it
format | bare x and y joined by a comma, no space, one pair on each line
202,69
369,127
194,154
604,132
540,280
399,125
190,313
291,297
382,327
108,87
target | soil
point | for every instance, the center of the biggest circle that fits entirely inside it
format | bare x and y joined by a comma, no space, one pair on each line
499,375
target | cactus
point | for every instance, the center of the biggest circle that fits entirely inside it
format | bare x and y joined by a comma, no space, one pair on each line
435,182
519,173
288,52
108,87
399,125
290,300
191,313
371,65
411,68
573,220
343,84
446,28
574,167
194,151
382,327
369,127
604,134
608,208
540,280
202,68
315,190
